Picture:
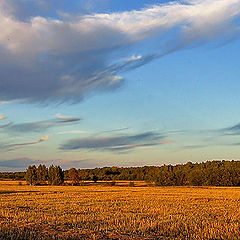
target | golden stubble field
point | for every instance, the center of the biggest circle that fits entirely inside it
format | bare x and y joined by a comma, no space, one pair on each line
118,212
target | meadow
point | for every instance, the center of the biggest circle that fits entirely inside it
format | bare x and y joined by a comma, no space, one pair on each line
118,212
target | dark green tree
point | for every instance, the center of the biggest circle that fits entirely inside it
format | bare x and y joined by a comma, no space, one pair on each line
196,177
42,174
95,178
55,175
31,175
73,176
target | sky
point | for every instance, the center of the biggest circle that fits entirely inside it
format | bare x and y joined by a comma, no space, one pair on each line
94,83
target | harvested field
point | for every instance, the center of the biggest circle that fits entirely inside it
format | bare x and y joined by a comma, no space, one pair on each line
118,212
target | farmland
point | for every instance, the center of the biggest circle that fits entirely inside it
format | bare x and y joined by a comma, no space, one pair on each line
118,212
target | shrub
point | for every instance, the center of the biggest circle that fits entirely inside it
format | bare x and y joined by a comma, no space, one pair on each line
131,184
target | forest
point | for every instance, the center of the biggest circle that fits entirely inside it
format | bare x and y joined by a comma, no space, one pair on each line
210,173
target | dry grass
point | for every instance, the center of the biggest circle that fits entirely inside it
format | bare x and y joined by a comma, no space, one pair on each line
118,212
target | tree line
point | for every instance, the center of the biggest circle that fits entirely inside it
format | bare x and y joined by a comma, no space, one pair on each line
210,173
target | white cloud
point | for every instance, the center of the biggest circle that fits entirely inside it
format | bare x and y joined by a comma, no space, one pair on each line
135,58
44,59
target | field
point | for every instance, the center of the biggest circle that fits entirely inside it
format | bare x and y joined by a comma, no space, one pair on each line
118,212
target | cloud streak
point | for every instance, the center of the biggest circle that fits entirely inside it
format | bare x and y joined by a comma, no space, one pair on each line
67,58
129,147
117,130
24,162
72,132
5,125
115,143
17,163
233,130
12,147
41,126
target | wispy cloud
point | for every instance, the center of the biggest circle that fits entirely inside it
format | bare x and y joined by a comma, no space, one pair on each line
233,130
12,147
129,147
98,133
22,163
227,136
115,143
2,117
195,146
66,58
67,118
5,125
116,130
18,163
41,126
72,132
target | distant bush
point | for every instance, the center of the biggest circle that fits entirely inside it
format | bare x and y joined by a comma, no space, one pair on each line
111,183
95,178
131,184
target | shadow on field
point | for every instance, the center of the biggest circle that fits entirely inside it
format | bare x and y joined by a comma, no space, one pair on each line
8,192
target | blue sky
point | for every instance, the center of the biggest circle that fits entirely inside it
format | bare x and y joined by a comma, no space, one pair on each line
116,83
